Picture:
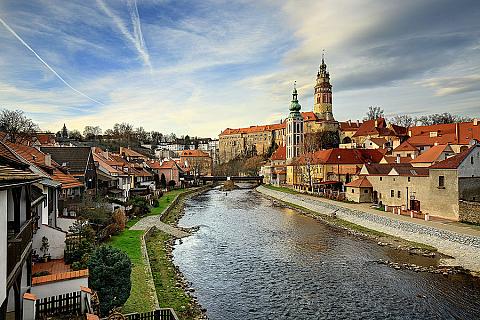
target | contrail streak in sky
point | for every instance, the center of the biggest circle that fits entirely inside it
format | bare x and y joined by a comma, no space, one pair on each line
46,64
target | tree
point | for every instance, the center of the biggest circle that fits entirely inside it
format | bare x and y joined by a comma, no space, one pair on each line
172,183
156,137
252,165
75,135
163,181
110,271
403,120
442,118
91,132
374,113
140,134
16,125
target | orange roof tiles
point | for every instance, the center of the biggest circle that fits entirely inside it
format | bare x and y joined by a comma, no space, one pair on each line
280,153
60,276
67,180
432,154
361,182
194,153
379,127
349,125
452,133
405,146
394,159
344,156
453,162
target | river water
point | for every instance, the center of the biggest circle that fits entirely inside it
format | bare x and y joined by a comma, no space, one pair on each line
251,259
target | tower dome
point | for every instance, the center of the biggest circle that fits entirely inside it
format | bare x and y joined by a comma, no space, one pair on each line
294,105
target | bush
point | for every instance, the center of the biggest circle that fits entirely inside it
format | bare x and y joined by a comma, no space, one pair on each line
155,203
140,206
172,183
119,219
110,270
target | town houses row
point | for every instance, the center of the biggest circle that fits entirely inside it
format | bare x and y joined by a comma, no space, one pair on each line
42,185
422,171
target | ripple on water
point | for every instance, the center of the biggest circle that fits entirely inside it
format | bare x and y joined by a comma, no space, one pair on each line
252,260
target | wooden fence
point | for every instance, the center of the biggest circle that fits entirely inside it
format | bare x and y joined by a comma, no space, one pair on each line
161,314
65,304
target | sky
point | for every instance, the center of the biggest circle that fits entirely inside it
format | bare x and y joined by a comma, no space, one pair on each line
198,67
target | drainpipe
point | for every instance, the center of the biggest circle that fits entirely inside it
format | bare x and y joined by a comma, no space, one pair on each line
407,198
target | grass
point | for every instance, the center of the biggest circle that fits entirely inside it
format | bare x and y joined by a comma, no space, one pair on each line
165,201
164,276
140,299
282,189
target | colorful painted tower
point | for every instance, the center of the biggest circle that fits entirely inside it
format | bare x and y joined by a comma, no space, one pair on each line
294,128
323,94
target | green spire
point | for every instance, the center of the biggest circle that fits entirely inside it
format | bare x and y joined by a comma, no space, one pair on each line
294,105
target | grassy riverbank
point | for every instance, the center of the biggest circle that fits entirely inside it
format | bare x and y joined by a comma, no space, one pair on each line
129,241
377,235
168,283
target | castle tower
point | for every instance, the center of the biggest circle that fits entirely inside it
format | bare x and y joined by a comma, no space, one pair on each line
323,94
294,128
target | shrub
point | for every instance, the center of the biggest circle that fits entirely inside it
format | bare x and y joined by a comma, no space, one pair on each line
140,206
119,219
110,270
172,183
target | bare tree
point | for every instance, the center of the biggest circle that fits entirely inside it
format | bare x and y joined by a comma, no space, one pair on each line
442,118
403,120
91,132
75,134
16,125
374,113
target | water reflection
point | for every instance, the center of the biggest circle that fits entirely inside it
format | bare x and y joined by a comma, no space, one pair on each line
253,260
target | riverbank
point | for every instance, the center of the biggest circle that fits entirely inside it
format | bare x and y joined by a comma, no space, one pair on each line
463,247
172,289
143,297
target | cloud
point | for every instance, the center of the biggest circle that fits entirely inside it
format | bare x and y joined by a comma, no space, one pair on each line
137,38
45,63
453,85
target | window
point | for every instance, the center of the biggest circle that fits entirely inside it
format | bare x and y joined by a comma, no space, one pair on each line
399,194
381,178
353,190
365,191
392,193
441,181
471,160
408,179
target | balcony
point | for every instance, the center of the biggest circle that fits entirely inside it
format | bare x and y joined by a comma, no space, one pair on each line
18,245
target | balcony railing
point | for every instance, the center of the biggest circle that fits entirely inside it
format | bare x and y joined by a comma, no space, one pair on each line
17,245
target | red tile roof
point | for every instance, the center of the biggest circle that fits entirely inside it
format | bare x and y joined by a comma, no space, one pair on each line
453,162
393,159
361,182
383,168
432,154
344,156
309,116
350,125
194,153
30,154
280,153
67,180
452,133
405,146
7,154
382,129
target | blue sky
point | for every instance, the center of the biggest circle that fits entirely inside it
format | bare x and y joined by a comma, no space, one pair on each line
197,67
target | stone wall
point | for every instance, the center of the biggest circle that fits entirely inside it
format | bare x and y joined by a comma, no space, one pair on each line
464,247
470,211
469,188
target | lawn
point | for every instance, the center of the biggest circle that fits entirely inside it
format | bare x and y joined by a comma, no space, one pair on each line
282,189
169,294
140,299
165,201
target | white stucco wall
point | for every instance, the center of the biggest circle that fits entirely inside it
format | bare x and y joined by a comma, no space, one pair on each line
56,240
3,245
466,168
59,287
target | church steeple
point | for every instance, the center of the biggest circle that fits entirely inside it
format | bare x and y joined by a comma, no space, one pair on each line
294,128
294,105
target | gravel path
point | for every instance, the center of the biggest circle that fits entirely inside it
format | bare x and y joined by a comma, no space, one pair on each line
150,221
462,243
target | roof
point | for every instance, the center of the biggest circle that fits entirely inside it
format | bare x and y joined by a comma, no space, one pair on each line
394,159
361,182
379,127
280,153
405,146
309,116
383,168
11,174
127,152
349,125
194,153
30,154
8,155
410,171
104,163
432,154
379,141
67,180
453,162
153,164
344,156
169,164
75,158
452,133
45,138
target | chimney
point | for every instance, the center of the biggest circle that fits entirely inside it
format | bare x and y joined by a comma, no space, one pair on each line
398,158
48,160
358,123
376,123
349,122
457,138
475,122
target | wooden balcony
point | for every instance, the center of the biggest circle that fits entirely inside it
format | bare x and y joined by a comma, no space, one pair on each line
18,246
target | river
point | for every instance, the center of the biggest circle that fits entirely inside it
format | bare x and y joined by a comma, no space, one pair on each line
251,259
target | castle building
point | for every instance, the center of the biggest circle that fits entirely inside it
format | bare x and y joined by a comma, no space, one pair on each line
294,128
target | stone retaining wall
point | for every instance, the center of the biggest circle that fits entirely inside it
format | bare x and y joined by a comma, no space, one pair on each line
465,248
148,269
469,211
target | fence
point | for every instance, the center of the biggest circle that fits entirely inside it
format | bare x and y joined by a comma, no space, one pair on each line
69,303
161,314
